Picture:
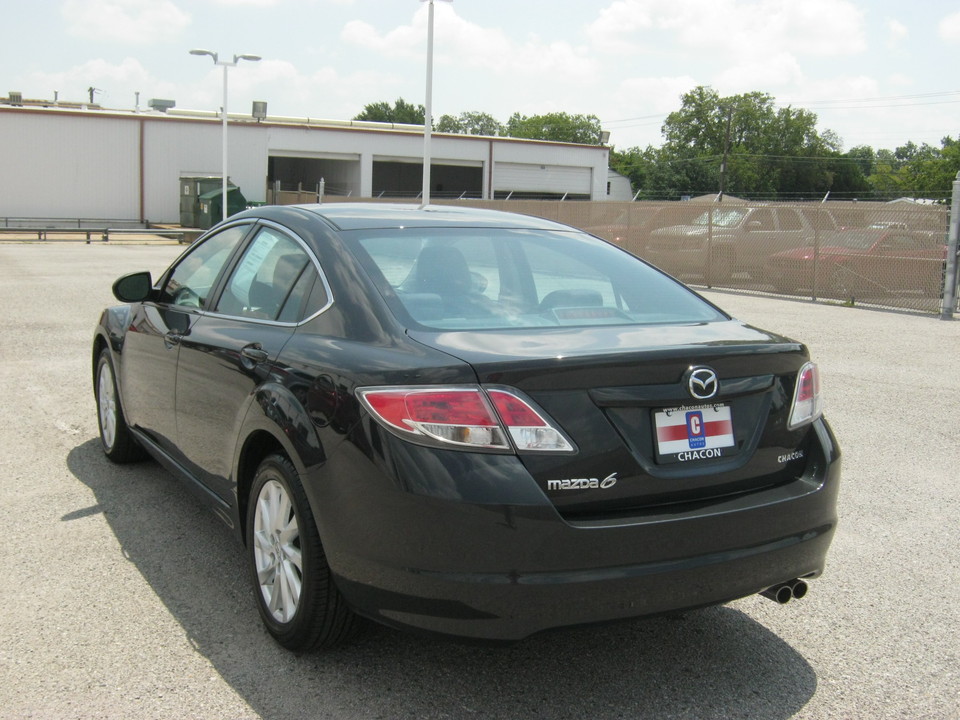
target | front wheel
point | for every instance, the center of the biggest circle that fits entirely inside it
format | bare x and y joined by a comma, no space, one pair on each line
117,441
296,596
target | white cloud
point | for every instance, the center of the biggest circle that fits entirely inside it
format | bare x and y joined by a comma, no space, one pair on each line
112,80
466,44
124,21
400,42
779,70
897,34
616,28
248,3
900,80
733,27
656,95
950,27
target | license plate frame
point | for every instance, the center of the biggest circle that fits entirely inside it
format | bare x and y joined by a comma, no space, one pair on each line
693,433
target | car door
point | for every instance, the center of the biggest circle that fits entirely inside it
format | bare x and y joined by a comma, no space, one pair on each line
152,343
909,262
230,351
754,244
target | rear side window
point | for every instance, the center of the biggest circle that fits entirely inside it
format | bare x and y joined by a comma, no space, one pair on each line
271,281
790,220
458,278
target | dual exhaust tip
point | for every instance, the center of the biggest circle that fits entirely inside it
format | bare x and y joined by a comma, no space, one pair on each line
785,592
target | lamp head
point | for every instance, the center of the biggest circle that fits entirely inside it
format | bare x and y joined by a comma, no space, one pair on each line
198,51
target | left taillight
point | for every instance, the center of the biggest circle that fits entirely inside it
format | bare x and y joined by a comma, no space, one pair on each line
464,417
807,403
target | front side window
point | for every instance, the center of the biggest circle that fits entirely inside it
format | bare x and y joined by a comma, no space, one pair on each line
499,278
762,220
192,280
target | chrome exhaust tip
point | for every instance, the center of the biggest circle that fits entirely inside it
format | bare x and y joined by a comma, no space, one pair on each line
785,592
779,593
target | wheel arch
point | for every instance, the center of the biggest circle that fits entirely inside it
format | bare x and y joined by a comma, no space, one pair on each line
99,343
109,334
276,422
258,446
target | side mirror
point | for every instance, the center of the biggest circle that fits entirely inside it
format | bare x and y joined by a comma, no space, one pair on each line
135,287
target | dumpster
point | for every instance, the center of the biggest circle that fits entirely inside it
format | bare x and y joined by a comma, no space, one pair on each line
211,206
191,188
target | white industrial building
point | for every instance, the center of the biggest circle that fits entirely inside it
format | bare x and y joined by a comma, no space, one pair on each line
86,162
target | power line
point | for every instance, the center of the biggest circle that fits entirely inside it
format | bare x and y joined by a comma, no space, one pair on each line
894,98
879,102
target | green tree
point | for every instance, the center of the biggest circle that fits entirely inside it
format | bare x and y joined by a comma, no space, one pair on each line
558,126
930,171
769,152
470,123
400,112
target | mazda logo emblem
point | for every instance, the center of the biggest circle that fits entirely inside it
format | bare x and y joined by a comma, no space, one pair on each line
702,383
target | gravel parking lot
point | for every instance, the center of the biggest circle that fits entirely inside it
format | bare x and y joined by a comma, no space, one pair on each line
122,598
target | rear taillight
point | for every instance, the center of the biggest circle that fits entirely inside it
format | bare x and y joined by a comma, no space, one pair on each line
807,402
465,417
528,429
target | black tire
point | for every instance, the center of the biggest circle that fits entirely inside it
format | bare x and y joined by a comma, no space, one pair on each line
117,441
297,598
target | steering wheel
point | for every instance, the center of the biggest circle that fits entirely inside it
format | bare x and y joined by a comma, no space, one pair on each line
186,297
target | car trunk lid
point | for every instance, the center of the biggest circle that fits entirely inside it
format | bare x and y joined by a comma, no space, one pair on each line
623,396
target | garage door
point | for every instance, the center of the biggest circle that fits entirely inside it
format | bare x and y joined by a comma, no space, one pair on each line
522,177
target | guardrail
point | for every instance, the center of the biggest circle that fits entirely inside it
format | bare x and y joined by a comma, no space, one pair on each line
101,234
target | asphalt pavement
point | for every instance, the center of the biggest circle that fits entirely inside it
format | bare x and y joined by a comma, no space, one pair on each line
122,598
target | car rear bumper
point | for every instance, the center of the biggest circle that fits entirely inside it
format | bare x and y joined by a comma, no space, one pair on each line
500,572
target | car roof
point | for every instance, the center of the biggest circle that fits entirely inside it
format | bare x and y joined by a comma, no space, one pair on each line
362,216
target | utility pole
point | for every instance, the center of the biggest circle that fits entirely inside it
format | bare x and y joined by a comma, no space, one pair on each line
950,276
726,152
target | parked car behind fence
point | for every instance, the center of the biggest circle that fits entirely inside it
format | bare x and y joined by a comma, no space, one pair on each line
863,263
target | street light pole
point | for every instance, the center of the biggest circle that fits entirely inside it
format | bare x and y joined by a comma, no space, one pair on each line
428,110
223,111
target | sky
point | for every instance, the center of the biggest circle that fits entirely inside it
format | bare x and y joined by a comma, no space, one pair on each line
876,72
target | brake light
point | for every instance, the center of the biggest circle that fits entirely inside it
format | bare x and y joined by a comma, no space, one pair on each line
462,416
807,402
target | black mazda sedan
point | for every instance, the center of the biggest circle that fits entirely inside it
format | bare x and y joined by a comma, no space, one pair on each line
467,422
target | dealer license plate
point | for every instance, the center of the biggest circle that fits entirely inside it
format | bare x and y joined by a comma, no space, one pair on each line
700,432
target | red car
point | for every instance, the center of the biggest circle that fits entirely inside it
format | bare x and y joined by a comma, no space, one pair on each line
863,262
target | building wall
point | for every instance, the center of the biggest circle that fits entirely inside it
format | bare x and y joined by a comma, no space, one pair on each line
127,166
77,166
186,149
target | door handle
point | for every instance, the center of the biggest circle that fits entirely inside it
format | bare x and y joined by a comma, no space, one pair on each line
254,354
171,339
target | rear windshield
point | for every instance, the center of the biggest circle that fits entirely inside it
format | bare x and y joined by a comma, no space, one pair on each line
464,278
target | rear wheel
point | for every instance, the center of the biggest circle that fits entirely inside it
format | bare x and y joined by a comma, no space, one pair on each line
296,596
117,441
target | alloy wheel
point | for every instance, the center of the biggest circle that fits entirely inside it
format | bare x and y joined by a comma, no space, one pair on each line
276,549
107,406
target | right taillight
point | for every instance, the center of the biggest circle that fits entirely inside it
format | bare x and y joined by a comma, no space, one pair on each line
807,402
463,417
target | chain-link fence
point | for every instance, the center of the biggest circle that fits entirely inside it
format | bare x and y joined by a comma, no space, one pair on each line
890,254
862,253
